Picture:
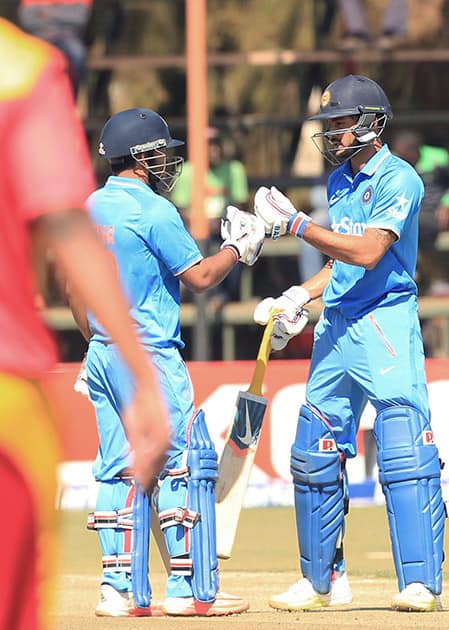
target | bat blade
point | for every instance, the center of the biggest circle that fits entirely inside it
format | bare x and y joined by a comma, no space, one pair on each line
235,467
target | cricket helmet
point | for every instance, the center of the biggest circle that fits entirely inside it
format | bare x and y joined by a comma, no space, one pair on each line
358,96
144,135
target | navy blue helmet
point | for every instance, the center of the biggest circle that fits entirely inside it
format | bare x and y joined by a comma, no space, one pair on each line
144,135
358,96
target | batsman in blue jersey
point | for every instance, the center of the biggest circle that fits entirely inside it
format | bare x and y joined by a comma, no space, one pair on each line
367,347
152,253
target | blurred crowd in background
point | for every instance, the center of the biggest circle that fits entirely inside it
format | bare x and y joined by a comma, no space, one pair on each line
257,133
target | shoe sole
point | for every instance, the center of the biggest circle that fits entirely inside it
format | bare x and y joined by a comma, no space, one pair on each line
106,613
341,601
151,611
202,609
434,607
312,606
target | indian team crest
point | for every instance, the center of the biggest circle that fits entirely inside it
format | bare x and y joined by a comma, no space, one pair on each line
325,98
367,195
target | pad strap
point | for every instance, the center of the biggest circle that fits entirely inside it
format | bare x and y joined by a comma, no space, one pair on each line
178,516
117,563
115,519
181,565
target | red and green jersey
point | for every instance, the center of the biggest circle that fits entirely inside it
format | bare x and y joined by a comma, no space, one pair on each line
44,167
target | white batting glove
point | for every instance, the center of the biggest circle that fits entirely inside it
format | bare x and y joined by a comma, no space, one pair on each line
276,210
244,232
292,318
80,385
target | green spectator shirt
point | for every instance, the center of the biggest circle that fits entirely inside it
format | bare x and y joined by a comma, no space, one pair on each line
226,184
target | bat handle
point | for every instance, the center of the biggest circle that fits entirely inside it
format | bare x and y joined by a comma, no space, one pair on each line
263,356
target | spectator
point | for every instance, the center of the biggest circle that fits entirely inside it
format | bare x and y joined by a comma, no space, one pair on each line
226,184
357,33
62,23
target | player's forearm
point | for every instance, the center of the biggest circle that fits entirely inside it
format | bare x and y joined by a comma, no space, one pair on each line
79,312
210,271
317,283
355,250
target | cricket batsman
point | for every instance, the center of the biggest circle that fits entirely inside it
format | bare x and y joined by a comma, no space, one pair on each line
152,253
367,347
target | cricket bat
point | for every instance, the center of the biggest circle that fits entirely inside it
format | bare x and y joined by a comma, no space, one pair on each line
238,455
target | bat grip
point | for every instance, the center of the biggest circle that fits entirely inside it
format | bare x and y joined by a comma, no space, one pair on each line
262,356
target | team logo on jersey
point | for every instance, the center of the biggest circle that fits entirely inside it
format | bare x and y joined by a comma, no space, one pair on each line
101,149
367,195
325,99
327,445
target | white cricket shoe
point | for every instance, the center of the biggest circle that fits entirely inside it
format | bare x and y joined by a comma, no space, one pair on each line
300,596
114,603
340,589
224,604
416,597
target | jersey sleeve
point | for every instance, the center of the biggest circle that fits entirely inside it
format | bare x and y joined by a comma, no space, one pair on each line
48,145
169,239
397,198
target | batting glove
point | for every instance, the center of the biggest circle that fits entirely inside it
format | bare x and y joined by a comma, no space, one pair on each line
244,232
278,213
292,318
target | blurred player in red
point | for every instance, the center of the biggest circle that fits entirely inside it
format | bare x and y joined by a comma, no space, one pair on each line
44,179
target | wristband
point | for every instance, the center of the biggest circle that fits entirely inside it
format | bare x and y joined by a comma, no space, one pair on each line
232,248
298,223
297,294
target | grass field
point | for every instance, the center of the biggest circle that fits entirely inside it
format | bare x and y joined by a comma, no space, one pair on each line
264,562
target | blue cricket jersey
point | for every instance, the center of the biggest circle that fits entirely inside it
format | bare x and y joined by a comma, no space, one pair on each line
385,194
151,247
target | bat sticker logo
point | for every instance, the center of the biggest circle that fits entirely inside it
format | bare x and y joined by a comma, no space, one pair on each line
247,437
247,423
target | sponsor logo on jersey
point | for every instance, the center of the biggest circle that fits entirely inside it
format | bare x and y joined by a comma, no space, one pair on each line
399,209
348,226
427,437
337,195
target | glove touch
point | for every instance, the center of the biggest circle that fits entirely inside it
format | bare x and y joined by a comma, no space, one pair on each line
244,232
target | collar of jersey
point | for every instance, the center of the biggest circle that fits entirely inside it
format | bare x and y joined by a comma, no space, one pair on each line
371,166
127,182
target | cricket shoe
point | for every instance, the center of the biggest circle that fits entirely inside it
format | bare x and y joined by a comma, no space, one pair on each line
340,590
114,603
302,595
224,604
416,597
